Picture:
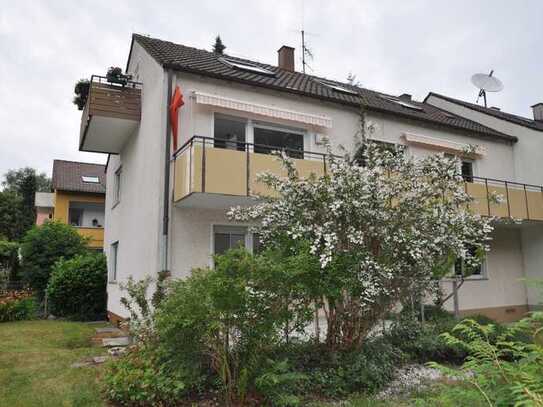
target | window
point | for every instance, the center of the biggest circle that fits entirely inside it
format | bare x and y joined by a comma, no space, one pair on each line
228,237
229,133
462,269
401,102
467,170
382,145
75,216
246,66
336,87
117,186
257,244
114,254
268,140
91,179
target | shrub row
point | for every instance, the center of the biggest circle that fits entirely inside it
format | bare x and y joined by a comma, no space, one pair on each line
17,306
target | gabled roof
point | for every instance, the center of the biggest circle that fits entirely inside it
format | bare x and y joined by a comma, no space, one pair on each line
197,61
513,118
68,176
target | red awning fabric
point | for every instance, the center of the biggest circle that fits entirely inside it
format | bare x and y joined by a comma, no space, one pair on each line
176,102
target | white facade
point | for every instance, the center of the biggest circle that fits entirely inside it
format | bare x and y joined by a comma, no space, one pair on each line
135,222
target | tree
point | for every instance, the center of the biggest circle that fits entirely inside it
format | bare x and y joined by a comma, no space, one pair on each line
218,47
17,205
11,220
43,246
81,90
380,231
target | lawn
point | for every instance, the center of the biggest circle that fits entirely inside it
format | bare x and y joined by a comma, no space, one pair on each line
35,360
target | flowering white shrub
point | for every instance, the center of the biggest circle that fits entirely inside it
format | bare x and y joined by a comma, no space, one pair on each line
378,230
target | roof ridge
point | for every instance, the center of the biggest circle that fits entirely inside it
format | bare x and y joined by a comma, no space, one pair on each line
77,162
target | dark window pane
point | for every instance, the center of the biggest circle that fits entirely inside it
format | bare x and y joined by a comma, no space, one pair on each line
257,244
268,140
222,243
237,241
467,171
229,134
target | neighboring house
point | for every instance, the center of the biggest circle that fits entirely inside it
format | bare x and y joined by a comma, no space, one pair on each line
78,198
45,204
165,208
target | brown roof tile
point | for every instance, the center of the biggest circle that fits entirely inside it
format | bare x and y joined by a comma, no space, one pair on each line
67,176
202,62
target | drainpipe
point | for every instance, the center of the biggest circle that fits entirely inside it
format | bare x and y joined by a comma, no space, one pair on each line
166,213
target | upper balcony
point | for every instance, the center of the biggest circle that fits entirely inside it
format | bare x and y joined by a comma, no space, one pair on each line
112,113
212,173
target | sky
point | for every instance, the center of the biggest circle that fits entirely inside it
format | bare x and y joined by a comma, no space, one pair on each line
396,47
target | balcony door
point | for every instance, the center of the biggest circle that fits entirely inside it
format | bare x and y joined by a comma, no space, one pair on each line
268,139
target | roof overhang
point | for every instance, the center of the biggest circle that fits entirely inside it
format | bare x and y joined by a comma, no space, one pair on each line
453,147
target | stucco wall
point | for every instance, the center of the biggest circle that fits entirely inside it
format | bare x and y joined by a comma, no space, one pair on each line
135,221
504,269
532,250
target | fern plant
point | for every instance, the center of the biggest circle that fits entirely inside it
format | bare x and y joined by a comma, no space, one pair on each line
507,371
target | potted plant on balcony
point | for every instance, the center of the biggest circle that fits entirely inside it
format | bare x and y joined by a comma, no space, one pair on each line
115,75
81,91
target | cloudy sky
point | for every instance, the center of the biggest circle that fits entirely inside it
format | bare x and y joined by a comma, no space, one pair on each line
392,46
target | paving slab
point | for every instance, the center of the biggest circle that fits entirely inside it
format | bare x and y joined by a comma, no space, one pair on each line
120,341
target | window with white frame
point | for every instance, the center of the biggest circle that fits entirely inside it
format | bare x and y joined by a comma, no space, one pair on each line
463,269
268,139
117,187
228,237
113,262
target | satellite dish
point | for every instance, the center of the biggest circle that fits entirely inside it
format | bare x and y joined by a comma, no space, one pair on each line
486,83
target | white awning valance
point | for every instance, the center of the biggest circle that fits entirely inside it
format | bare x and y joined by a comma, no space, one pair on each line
442,145
263,110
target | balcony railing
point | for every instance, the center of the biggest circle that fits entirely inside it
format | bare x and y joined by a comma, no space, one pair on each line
111,114
216,166
518,201
230,168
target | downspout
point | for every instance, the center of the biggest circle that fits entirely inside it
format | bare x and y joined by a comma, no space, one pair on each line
166,213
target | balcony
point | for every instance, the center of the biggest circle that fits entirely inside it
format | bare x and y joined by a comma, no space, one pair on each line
112,113
206,176
520,201
95,236
216,177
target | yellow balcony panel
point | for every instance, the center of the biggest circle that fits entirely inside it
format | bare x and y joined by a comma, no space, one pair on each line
228,176
95,235
112,113
518,201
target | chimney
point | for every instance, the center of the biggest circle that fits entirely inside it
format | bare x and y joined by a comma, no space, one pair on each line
406,97
538,111
285,58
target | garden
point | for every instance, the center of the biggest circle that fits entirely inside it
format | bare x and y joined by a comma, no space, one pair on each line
340,306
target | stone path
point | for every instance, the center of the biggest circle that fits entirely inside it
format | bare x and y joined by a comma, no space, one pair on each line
109,337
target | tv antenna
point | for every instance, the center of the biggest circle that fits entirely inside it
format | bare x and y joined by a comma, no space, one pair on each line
486,83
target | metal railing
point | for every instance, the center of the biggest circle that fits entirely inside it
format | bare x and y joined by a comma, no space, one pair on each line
104,81
248,148
517,197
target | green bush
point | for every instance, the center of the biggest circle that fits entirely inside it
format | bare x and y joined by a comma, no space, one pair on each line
77,287
9,259
506,371
18,306
43,246
421,342
138,378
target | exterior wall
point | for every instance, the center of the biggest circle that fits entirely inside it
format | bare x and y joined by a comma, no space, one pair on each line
532,251
43,214
62,201
502,286
528,151
135,221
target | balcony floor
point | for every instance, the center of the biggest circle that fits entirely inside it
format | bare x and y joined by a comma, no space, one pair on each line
214,201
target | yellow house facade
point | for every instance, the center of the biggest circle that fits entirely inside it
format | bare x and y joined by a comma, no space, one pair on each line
79,198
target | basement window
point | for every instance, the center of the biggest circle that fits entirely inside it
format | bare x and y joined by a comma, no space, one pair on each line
90,179
247,66
336,87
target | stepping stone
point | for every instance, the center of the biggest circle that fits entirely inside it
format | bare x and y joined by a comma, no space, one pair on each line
99,359
117,351
107,329
121,341
81,364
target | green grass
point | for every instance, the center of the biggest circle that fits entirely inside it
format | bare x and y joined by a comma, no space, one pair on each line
35,359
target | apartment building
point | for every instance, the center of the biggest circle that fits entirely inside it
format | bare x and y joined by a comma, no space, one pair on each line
166,203
77,199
